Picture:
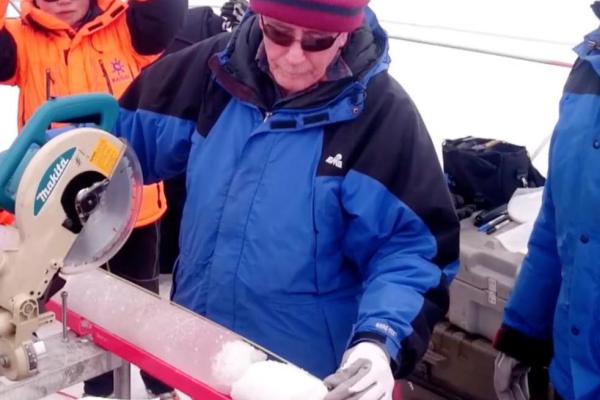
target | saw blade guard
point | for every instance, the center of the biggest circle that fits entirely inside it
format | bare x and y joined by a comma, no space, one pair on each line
99,109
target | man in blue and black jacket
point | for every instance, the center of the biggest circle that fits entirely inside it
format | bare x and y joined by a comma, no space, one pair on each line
318,222
553,316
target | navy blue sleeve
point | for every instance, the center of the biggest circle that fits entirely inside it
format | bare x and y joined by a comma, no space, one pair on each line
8,55
200,24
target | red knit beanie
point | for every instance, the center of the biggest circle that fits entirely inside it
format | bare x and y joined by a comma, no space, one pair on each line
321,15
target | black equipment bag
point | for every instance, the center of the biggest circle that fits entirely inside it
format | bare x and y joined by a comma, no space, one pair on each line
486,172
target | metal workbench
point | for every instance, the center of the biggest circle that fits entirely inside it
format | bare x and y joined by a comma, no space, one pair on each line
63,365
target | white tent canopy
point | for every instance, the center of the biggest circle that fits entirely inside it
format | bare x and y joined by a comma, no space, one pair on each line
463,92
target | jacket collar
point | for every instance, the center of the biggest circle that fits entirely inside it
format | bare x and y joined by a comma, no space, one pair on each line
237,71
109,11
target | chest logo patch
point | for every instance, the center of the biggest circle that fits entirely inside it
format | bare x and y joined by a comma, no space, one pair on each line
336,161
119,71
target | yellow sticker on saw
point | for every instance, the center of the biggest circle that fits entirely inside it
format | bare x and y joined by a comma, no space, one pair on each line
105,156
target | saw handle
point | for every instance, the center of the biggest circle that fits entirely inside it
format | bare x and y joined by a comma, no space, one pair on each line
100,109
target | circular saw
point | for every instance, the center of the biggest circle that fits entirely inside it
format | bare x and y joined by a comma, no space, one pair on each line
75,198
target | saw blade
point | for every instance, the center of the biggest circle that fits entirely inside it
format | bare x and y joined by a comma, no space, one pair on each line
108,225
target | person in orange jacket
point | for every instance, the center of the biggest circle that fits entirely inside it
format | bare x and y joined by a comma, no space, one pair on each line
64,47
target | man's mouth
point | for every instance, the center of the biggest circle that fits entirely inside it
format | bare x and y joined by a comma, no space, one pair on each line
293,74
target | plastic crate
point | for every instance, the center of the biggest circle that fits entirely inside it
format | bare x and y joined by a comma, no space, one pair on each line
485,281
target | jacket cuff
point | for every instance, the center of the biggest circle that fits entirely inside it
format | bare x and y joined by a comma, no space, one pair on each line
388,344
533,352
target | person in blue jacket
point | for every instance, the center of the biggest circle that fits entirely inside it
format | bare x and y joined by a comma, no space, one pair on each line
317,221
553,315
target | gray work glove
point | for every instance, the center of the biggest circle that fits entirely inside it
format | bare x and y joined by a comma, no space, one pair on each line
510,378
365,375
232,13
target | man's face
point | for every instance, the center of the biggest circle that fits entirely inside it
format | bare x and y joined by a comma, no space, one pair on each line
298,57
69,11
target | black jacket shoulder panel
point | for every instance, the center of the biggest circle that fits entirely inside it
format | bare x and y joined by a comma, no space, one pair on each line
181,85
390,143
583,79
385,132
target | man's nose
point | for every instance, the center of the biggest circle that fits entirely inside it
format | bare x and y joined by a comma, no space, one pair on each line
295,53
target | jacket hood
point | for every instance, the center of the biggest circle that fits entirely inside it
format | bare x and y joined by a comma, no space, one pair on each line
589,49
596,8
108,11
366,53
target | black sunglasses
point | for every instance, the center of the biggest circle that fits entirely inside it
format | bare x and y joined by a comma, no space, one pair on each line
308,43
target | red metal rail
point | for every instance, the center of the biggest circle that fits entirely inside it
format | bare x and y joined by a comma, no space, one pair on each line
137,356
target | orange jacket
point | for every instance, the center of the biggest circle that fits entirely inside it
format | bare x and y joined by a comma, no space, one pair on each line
46,58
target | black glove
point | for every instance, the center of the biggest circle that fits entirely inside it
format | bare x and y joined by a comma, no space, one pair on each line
232,13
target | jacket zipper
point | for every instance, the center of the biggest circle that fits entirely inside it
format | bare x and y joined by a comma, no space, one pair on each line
159,201
106,77
49,83
268,115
